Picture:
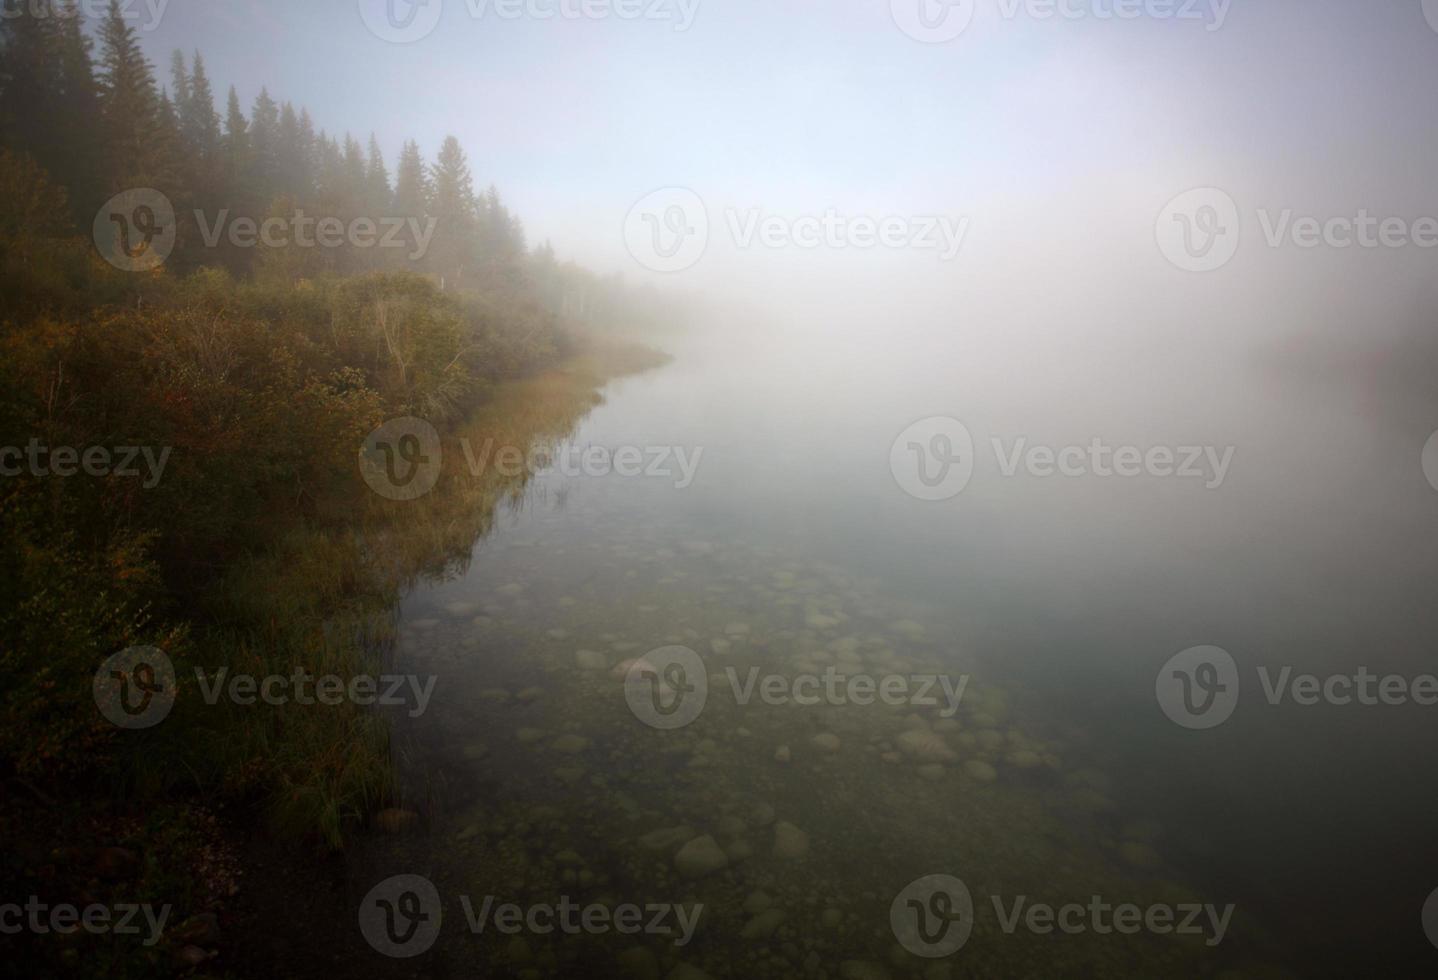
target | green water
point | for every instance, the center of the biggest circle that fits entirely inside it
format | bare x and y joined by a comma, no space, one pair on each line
789,830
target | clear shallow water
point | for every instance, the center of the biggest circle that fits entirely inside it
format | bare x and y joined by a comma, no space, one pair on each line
1058,600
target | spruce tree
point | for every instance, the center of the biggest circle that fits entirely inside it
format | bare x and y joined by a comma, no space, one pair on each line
136,148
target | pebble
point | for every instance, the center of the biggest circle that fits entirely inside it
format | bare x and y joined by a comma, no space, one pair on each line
980,770
591,660
701,856
790,842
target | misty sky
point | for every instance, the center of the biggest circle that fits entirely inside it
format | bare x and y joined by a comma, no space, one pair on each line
1061,140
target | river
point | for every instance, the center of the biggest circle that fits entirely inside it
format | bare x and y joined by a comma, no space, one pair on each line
1024,621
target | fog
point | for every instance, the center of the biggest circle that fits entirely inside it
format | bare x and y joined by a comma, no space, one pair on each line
1045,341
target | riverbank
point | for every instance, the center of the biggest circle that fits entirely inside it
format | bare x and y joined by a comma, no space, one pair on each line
255,556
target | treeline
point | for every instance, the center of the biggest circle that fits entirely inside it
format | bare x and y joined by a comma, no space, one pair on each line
96,121
255,373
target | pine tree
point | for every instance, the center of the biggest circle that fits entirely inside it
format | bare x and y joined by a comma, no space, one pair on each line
452,203
137,158
235,147
411,183
264,146
180,83
78,119
355,177
295,152
377,191
198,119
30,78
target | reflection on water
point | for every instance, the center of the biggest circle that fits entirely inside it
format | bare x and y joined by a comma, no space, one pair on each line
1020,751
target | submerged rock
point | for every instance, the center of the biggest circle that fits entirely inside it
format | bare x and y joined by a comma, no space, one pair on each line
1139,855
591,660
924,746
826,742
701,856
639,964
665,838
395,820
571,744
980,770
790,843
762,926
